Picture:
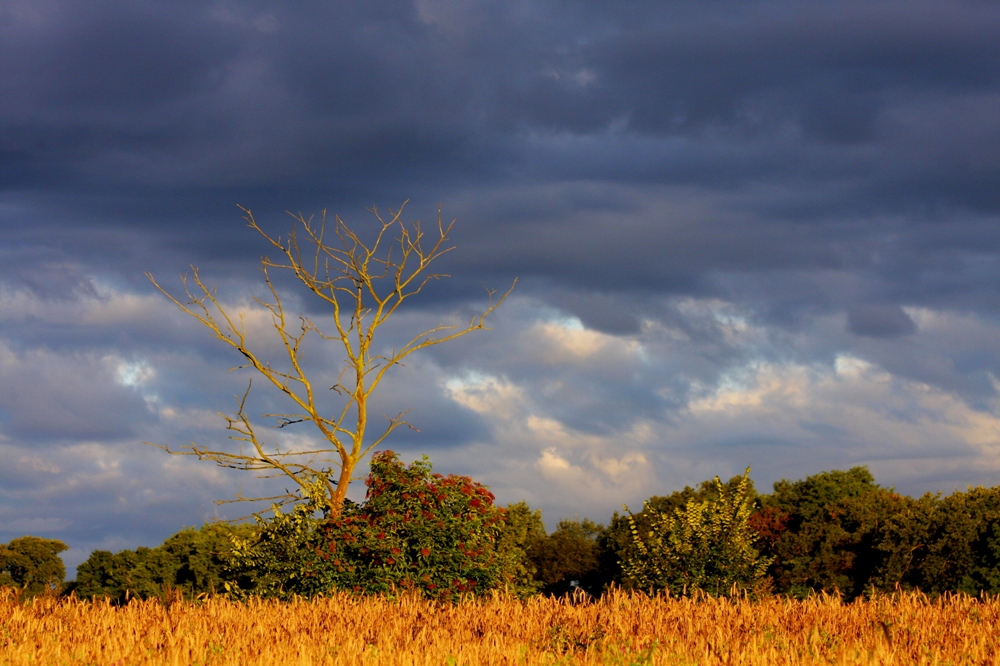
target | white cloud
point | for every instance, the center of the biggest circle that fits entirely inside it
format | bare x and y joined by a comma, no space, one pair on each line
745,397
486,394
860,409
585,77
134,373
570,468
38,464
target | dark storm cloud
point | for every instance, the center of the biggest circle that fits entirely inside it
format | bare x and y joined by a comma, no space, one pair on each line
217,94
163,94
879,321
797,127
830,67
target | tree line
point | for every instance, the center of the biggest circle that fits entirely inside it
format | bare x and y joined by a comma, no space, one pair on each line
444,538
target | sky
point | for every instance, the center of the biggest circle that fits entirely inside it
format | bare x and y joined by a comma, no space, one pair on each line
753,234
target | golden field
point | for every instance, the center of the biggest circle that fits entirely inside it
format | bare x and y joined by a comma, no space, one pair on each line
619,629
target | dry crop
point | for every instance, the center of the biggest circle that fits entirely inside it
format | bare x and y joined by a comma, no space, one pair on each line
619,629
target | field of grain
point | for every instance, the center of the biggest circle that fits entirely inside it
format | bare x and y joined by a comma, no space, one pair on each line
619,629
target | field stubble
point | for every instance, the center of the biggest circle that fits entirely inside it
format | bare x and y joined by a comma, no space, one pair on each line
620,629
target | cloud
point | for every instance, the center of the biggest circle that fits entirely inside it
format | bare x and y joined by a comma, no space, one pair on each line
879,321
48,396
853,410
575,468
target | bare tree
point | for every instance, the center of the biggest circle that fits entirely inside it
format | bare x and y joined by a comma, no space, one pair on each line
364,284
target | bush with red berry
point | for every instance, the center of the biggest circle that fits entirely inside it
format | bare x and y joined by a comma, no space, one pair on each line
416,530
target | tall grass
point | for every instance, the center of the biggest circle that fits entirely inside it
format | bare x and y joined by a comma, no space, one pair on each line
618,629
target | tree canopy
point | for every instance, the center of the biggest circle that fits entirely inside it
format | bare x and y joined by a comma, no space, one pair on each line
32,564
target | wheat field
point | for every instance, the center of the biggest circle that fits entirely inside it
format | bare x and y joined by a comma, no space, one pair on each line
618,629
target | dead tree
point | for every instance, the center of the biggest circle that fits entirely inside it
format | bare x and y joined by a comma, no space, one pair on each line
363,284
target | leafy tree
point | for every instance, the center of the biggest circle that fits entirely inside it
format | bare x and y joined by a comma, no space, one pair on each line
191,562
568,558
708,545
437,535
101,576
32,564
363,284
828,532
127,574
522,530
199,559
957,545
899,535
552,563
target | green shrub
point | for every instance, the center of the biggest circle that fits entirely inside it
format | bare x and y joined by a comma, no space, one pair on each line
616,543
708,545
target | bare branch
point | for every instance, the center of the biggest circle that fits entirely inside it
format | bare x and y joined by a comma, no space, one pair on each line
364,284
